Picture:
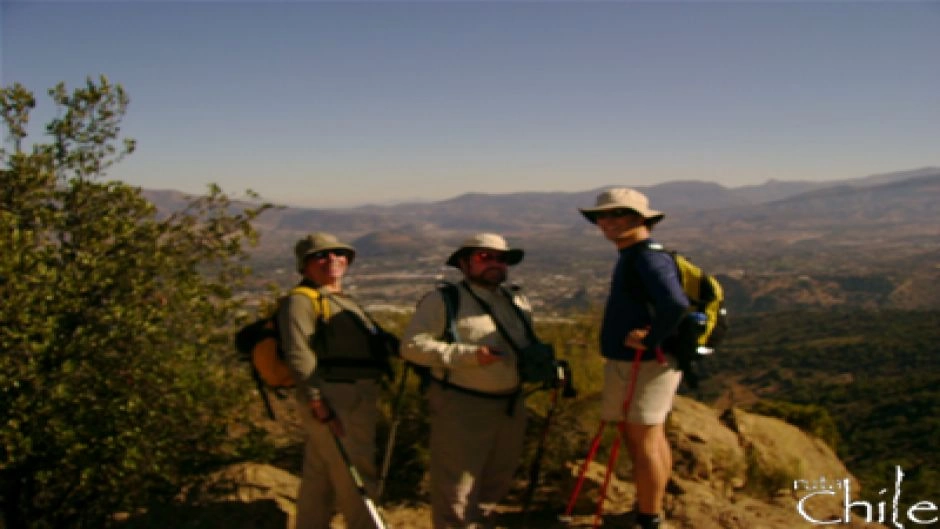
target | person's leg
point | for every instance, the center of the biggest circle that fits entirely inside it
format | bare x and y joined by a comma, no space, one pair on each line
652,464
356,406
505,455
645,436
315,499
460,433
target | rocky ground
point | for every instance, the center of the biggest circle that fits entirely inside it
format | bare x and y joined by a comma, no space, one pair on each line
733,470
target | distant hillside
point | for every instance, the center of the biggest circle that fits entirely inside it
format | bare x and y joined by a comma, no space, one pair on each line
773,190
908,201
869,242
540,212
401,242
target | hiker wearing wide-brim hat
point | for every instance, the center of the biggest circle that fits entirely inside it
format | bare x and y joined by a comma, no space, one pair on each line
320,242
644,306
486,241
471,336
619,199
328,341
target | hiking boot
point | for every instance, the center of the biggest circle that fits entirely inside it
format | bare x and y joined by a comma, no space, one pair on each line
648,521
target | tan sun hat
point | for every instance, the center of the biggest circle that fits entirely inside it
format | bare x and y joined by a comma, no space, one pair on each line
486,241
623,198
316,242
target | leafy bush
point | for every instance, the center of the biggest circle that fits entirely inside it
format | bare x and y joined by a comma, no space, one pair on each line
114,326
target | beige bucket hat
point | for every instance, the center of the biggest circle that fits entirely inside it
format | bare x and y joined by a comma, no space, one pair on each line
623,198
316,242
486,241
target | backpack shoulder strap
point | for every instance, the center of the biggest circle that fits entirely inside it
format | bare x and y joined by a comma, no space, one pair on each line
451,297
674,255
316,298
499,326
510,295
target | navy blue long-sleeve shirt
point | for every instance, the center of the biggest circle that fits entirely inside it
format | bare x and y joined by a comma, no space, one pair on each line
644,291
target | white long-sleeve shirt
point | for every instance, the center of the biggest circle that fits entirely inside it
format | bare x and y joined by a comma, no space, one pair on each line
423,343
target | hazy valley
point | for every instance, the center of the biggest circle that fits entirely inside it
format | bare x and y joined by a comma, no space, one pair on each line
867,243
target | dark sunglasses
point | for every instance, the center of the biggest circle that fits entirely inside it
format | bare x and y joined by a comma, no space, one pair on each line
324,254
487,256
614,213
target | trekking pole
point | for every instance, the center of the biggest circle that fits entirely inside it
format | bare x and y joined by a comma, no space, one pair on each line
566,517
360,485
263,392
614,450
621,435
595,443
536,467
392,433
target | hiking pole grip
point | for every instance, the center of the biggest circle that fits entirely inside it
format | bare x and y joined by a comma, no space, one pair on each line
359,483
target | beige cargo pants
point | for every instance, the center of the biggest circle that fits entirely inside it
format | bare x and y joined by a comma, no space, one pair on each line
475,450
326,486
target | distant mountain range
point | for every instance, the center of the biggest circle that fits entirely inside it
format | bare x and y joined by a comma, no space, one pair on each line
544,211
872,241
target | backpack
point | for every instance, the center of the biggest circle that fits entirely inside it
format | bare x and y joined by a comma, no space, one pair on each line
259,344
705,325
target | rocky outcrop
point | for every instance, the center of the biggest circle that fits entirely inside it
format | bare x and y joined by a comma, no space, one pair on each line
733,470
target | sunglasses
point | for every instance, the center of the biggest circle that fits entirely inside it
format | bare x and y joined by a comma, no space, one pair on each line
617,213
488,256
325,254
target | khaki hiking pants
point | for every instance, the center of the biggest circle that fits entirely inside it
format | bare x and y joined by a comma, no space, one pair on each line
475,450
326,486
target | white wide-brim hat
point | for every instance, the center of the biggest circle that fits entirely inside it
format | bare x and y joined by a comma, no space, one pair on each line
623,198
486,241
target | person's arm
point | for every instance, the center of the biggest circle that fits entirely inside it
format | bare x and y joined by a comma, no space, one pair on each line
423,345
661,280
297,321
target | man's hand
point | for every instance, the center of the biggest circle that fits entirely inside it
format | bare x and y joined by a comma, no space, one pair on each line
322,412
487,356
635,339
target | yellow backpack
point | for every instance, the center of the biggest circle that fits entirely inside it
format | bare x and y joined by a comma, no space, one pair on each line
706,323
707,297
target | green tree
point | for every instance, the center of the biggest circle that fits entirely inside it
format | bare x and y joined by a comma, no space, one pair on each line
115,325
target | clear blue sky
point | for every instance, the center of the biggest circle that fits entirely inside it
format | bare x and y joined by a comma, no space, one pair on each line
340,103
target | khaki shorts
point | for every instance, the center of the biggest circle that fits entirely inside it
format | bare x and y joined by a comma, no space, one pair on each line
656,386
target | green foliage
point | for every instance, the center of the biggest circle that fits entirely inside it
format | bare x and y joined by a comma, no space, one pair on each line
411,456
876,373
115,325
